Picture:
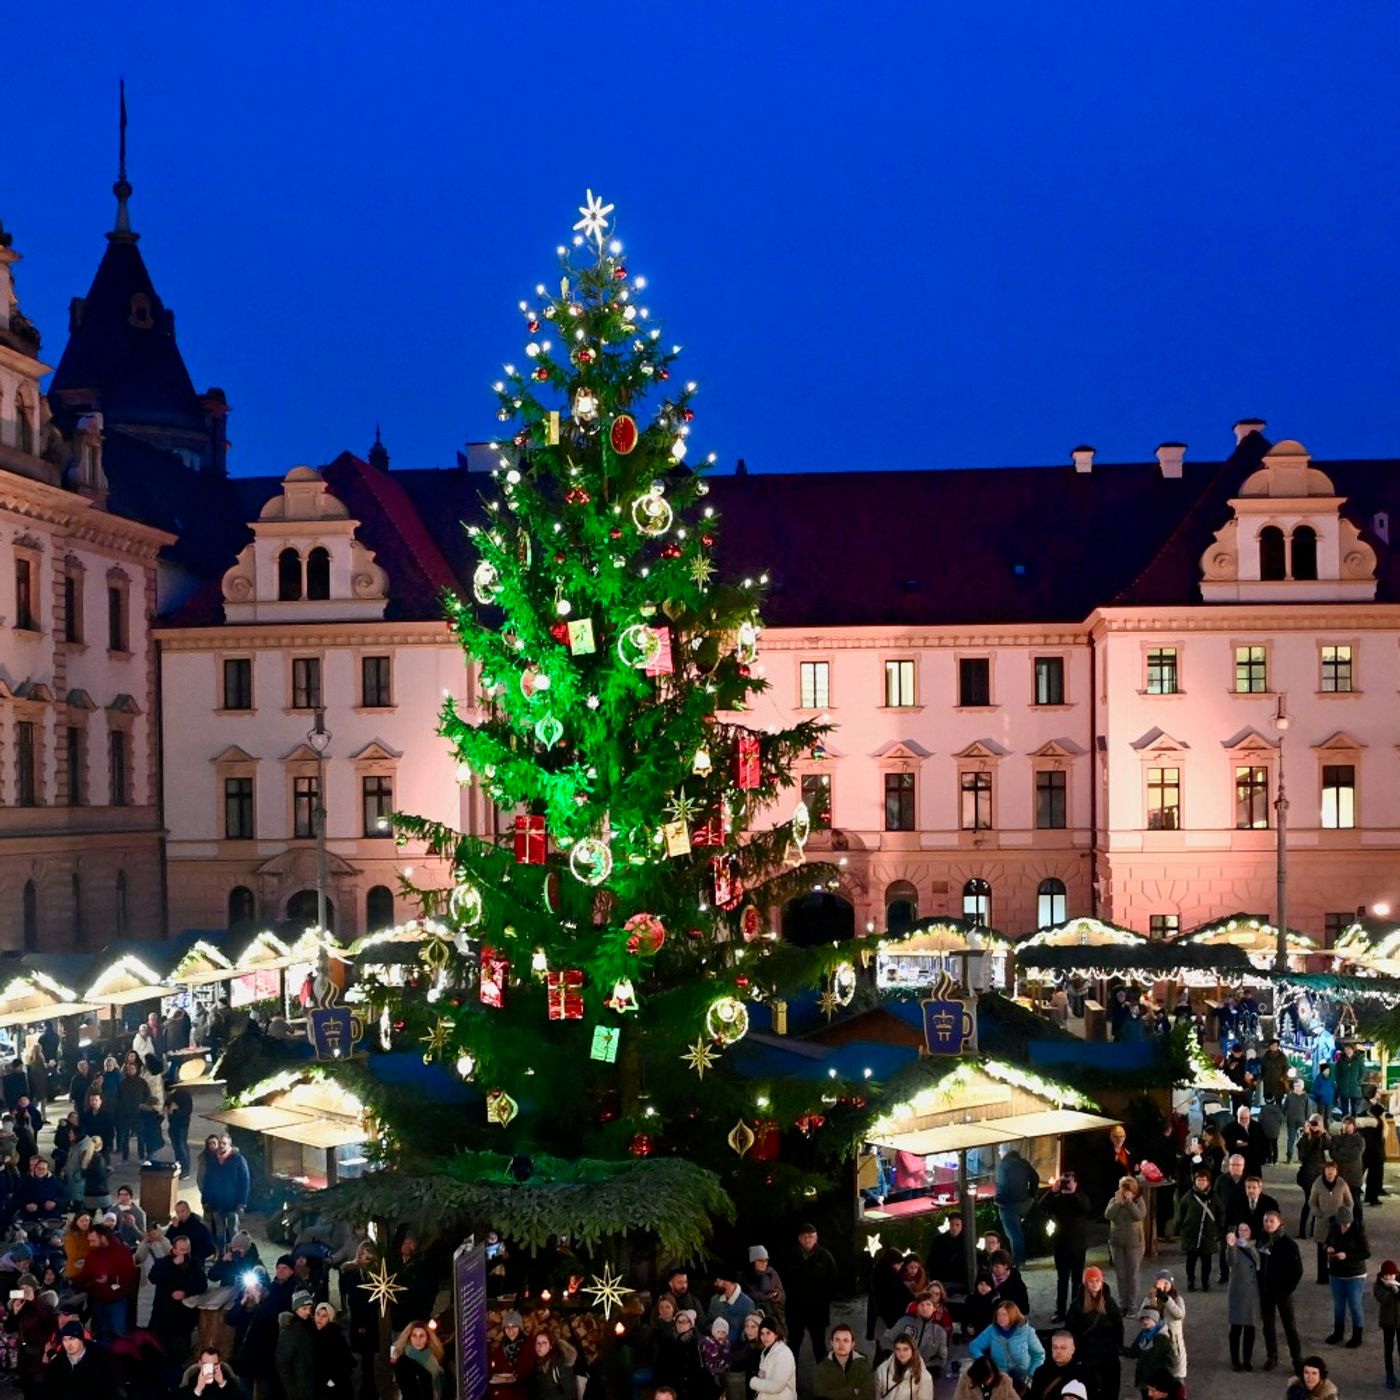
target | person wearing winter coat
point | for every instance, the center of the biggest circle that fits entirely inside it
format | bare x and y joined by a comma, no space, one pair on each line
777,1366
1347,1252
1329,1195
1242,1297
253,1320
1324,1093
1276,1069
1197,1228
902,1375
331,1355
729,1301
929,1335
1166,1299
888,1298
764,1286
1280,1273
1069,1207
296,1350
110,1280
175,1278
1387,1295
844,1374
1351,1066
744,1353
227,1182
1125,1214
1297,1108
1055,1373
1151,1349
1095,1322
417,1359
1011,1342
982,1381
1312,1383
678,1361
1349,1153
30,1322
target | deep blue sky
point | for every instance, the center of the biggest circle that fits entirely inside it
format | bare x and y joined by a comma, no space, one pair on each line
888,234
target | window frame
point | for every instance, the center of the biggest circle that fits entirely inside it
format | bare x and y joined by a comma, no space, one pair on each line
1262,661
981,789
75,778
901,683
1045,771
821,692
73,589
1056,663
821,781
119,766
1252,786
385,695
245,801
1164,785
27,616
1158,649
305,794
1170,927
373,831
1042,894
1335,664
905,795
1328,764
975,658
318,703
246,663
119,637
28,757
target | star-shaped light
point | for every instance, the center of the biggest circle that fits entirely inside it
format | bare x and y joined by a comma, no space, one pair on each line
701,570
682,808
436,1039
383,1287
607,1291
701,1056
873,1245
594,223
827,1004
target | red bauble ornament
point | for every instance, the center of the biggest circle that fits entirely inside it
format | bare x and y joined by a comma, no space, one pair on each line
744,671
707,540
623,434
584,356
688,414
615,533
641,1145
560,632
542,373
620,273
559,558
532,325
663,374
671,551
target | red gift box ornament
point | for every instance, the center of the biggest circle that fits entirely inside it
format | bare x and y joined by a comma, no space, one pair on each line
531,841
495,974
714,830
565,995
747,767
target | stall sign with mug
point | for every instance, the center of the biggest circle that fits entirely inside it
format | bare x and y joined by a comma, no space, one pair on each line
949,1028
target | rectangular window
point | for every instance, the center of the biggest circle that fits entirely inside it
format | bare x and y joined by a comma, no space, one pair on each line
378,806
306,683
1163,925
238,683
72,608
238,809
974,680
899,685
976,801
75,751
1051,789
816,796
1251,670
815,683
1338,796
1161,671
116,618
1334,926
1049,680
374,682
899,802
117,767
1336,670
1164,799
305,799
1251,797
25,618
25,756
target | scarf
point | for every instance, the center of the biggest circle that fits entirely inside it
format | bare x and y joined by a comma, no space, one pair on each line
1145,1339
512,1348
425,1359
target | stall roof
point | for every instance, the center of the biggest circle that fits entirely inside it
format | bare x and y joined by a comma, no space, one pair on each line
259,1117
34,996
376,948
321,1132
959,1137
125,981
202,963
1083,933
264,952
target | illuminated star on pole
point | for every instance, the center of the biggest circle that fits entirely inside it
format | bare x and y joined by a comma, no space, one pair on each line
607,1291
700,1057
383,1287
594,223
872,1245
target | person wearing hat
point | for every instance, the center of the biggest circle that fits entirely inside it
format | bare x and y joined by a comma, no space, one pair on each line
80,1370
1387,1294
729,1301
678,1361
334,1362
1060,1370
1324,1092
296,1349
1167,1299
511,1362
812,1278
31,1322
1069,1207
1096,1324
1347,1252
983,1380
1351,1066
1197,1227
777,1365
1242,1295
763,1284
363,1314
1151,1348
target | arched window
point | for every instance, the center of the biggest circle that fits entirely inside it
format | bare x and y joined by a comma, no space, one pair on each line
240,906
977,903
121,903
818,917
31,917
1271,553
318,573
24,424
379,909
301,910
901,906
77,908
1050,903
288,576
1304,552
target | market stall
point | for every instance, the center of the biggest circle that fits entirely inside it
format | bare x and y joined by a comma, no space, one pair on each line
125,982
258,970
975,957
30,1000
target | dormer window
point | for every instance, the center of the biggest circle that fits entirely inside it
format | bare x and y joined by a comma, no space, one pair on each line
288,576
1304,552
140,316
1273,563
318,573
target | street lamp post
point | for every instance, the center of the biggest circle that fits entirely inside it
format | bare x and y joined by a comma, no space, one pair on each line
319,737
1281,722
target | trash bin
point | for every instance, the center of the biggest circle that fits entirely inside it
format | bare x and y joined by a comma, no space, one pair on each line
159,1186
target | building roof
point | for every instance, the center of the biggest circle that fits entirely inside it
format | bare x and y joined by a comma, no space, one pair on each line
133,368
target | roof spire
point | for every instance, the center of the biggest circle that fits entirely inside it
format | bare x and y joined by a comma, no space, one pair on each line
121,230
379,454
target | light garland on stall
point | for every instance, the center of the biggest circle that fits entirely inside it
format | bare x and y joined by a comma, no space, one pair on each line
1084,933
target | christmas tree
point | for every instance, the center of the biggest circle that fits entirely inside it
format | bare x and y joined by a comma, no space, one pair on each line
593,973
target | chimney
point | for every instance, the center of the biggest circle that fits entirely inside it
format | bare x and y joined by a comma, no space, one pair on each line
1246,426
1083,459
1170,456
214,402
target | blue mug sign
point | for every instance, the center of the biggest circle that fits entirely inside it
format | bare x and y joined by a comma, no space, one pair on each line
333,1031
948,1026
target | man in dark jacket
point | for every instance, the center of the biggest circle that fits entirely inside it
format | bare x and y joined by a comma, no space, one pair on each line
81,1370
1277,1071
1349,1153
811,1279
1280,1273
188,1224
1314,1147
1371,1128
40,1195
97,1120
1007,1284
1245,1136
175,1278
845,1374
947,1256
1016,1184
1347,1253
296,1350
1059,1368
1231,1205
1256,1203
224,1191
1071,1211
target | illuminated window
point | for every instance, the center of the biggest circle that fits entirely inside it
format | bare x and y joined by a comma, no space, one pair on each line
1251,670
899,684
1338,796
1164,799
306,683
1049,680
976,801
977,903
1050,903
815,685
1336,669
1163,925
1161,671
378,794
1251,797
305,799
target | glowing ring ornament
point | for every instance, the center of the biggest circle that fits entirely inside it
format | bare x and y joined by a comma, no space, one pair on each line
591,861
486,582
638,646
464,904
843,983
801,824
746,647
651,511
726,1020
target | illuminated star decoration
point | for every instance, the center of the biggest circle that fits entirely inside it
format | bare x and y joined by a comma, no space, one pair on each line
607,1291
594,223
700,1057
872,1245
383,1287
828,1003
682,808
701,570
436,1039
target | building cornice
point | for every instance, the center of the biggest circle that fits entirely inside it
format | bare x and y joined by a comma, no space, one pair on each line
78,516
1248,617
267,636
908,638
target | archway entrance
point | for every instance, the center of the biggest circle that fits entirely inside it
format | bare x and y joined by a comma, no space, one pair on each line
818,918
301,910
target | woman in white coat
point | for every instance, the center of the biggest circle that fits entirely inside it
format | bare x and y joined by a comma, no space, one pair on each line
777,1366
902,1375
